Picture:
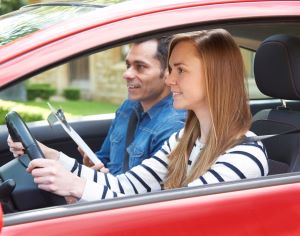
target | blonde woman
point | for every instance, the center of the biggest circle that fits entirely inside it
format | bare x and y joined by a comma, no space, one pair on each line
206,77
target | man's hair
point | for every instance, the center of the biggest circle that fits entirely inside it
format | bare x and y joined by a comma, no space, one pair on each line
161,51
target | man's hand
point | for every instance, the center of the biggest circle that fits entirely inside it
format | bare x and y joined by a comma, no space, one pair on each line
87,162
17,149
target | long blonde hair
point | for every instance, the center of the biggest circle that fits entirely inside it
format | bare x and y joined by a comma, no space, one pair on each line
227,100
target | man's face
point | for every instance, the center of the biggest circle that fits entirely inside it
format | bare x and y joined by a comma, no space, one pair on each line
143,74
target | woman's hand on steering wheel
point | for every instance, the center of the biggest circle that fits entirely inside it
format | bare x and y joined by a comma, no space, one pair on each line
51,176
16,148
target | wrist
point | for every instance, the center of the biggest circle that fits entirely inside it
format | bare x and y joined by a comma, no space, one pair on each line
52,154
78,188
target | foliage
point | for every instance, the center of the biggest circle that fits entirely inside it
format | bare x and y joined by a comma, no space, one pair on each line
75,108
10,5
26,115
43,91
71,93
39,110
27,111
2,115
103,1
17,32
29,117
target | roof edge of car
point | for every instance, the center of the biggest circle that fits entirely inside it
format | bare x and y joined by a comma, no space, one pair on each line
65,4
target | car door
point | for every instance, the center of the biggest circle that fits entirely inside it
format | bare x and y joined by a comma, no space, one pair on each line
253,207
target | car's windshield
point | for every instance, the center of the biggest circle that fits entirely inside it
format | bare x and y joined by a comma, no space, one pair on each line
35,17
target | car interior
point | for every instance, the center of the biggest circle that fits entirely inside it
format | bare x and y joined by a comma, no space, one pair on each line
275,73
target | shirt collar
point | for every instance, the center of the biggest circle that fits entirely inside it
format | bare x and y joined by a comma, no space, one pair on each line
156,109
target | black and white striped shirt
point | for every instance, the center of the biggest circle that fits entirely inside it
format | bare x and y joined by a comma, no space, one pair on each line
246,160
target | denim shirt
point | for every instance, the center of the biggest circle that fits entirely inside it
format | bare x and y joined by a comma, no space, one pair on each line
153,128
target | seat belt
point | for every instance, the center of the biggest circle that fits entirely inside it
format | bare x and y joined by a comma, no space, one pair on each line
262,137
129,137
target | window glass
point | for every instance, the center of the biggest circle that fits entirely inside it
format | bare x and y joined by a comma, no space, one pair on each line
88,85
85,86
35,17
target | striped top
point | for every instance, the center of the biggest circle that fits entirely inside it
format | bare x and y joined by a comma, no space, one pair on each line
246,160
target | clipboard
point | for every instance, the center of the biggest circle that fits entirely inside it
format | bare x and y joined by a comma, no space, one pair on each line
57,116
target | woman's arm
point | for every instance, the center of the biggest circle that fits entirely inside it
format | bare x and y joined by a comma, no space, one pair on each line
146,177
248,160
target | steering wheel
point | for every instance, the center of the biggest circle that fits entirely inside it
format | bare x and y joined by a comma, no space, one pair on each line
18,189
19,132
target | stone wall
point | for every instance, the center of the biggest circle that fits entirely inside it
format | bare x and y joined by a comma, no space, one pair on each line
57,77
104,82
107,70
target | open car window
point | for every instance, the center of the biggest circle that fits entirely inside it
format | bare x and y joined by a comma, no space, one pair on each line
89,85
92,79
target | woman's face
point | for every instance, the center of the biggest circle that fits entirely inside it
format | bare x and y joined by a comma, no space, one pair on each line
186,78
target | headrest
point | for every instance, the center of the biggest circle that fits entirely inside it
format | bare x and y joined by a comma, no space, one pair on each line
277,67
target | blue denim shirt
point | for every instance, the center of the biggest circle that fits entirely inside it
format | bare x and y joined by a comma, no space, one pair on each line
153,128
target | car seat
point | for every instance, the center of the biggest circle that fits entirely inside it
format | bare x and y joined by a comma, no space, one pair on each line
277,74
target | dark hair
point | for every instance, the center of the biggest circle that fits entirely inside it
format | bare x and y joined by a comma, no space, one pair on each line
161,51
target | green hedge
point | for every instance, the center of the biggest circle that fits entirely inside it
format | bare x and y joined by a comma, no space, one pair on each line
2,115
43,91
71,93
27,116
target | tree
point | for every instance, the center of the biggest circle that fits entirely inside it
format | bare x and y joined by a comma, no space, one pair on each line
10,5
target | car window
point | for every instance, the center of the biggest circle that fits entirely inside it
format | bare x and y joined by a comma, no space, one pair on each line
248,57
88,85
85,86
39,16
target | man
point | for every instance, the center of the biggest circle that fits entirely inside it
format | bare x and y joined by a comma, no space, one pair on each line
149,99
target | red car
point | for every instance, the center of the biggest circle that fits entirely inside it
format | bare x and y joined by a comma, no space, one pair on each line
44,36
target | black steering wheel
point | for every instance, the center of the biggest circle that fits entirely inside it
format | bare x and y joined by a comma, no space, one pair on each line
18,191
19,132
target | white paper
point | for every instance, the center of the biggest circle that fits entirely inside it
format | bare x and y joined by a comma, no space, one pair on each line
77,139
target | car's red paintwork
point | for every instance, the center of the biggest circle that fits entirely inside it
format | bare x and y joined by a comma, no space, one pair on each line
249,212
48,46
260,211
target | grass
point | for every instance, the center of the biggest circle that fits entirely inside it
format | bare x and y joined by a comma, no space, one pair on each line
71,108
77,108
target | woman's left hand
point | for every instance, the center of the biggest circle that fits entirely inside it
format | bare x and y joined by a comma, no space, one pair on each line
51,176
